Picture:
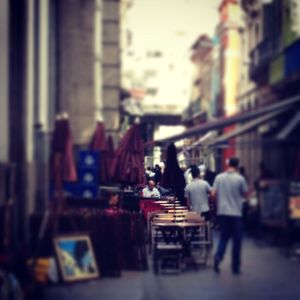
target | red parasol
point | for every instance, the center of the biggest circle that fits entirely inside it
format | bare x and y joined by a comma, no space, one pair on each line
62,158
98,139
98,144
128,164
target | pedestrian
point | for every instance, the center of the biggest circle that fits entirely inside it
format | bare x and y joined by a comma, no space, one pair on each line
157,173
197,193
230,188
149,173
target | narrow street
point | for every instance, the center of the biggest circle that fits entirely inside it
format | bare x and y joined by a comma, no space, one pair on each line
266,274
135,123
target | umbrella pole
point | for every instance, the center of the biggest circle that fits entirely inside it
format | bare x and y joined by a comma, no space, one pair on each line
59,201
58,191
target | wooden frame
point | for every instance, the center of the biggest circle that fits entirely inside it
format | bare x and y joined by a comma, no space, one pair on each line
75,256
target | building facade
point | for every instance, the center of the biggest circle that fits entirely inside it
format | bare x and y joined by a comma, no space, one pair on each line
216,84
229,33
199,110
56,56
273,38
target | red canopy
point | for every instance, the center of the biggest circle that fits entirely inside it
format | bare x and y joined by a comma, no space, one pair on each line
62,152
128,165
98,143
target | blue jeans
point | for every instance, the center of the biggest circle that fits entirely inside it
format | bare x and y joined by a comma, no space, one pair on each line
230,227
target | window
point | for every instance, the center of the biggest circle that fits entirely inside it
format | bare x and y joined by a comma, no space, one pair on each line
197,82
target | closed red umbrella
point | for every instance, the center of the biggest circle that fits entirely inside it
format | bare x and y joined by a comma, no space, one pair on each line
98,140
69,166
62,157
129,161
98,143
62,164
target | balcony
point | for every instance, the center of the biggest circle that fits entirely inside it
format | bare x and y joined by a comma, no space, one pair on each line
263,54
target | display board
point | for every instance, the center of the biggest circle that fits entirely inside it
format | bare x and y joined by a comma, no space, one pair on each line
294,200
273,200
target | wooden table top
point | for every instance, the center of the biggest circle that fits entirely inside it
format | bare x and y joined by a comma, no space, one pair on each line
180,224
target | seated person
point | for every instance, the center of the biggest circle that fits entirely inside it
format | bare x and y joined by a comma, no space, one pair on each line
150,191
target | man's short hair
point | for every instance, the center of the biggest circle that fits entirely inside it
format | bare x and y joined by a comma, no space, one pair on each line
195,171
233,162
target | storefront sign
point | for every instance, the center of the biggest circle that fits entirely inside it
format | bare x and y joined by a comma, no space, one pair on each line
273,201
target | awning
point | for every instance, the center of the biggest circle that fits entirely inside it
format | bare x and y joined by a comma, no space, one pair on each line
279,107
247,127
289,127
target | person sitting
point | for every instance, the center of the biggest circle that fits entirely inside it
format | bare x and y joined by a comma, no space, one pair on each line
150,191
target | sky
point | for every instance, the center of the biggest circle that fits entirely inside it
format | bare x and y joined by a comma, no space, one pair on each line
172,24
169,26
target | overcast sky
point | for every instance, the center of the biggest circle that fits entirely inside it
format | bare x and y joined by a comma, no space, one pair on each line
161,22
171,26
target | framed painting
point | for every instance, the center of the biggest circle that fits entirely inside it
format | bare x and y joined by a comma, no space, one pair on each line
76,259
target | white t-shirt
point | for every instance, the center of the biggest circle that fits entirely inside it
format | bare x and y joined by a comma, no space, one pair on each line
154,193
197,191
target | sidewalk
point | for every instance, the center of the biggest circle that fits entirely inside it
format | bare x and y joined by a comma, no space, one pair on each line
267,275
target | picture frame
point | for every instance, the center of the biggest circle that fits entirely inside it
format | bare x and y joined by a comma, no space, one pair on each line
75,257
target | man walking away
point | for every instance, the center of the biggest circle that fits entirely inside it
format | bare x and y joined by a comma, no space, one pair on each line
197,194
230,189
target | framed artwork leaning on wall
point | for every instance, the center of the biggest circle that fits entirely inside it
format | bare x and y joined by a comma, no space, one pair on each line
75,257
